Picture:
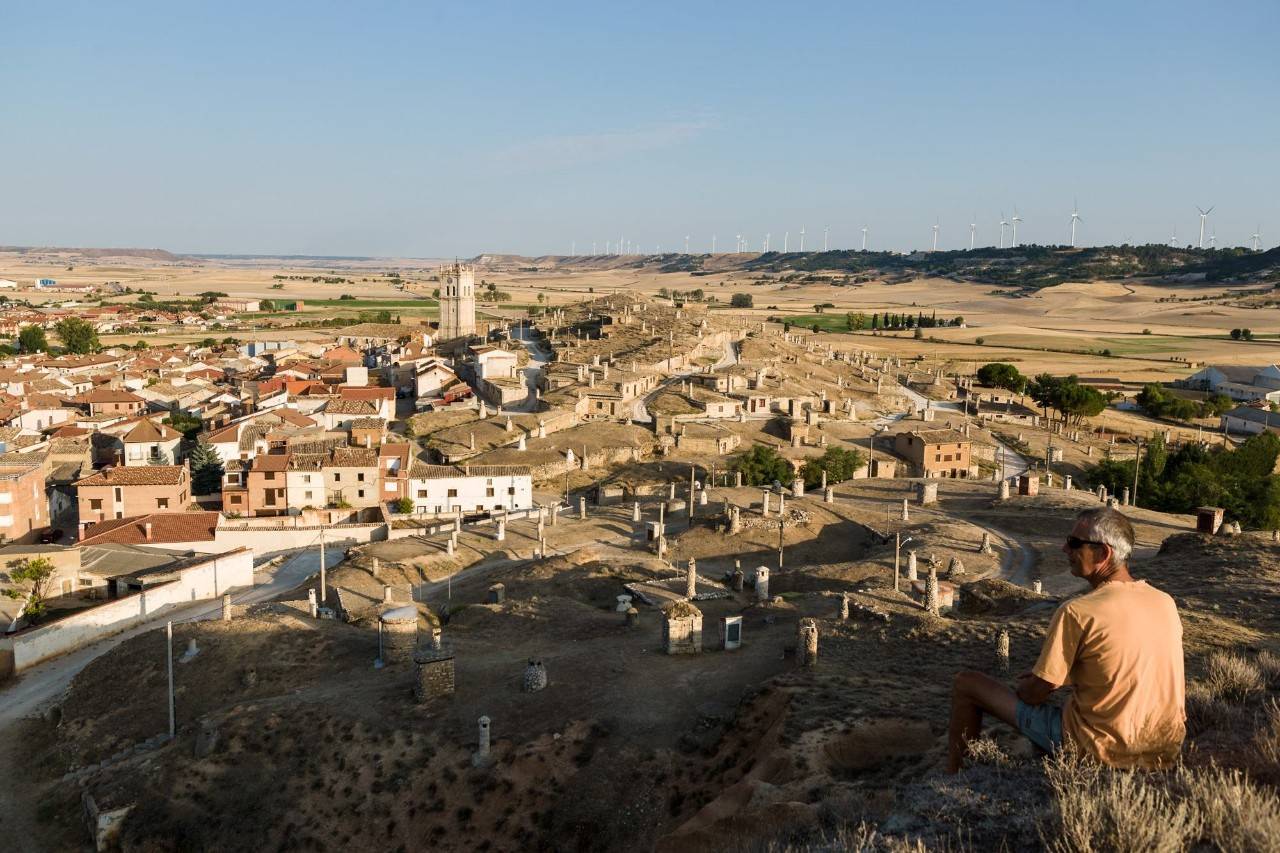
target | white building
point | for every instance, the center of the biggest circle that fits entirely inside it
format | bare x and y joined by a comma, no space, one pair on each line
444,489
8,284
493,362
1243,419
1239,382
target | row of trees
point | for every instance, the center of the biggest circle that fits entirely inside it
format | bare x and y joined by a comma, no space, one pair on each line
1064,396
1242,334
1240,480
1157,402
857,322
763,466
78,337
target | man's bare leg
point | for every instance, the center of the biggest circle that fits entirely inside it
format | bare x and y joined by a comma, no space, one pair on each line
971,694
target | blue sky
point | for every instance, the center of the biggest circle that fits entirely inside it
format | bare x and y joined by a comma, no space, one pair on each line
431,130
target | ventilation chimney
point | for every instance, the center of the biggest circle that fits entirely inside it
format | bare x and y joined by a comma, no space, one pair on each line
146,531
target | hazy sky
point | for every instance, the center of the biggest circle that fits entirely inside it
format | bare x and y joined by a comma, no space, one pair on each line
428,129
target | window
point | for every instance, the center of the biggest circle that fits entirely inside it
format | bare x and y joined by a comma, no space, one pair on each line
360,493
422,493
453,493
337,478
488,493
511,490
95,503
360,477
270,475
162,503
308,495
119,494
235,499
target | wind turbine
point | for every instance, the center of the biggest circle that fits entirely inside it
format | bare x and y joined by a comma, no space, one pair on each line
935,236
1075,217
1004,223
1016,220
973,232
686,244
1204,214
737,247
1173,241
802,238
1257,234
593,248
766,241
825,231
864,238
1213,239
713,244
786,241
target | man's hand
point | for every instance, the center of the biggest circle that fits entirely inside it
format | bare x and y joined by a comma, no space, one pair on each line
1033,689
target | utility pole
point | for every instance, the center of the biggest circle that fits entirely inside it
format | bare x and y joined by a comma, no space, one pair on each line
168,632
324,591
781,522
1137,463
897,553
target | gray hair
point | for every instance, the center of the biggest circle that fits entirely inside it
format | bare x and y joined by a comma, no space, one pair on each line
1111,527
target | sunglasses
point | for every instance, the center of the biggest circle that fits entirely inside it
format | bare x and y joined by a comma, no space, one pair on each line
1075,542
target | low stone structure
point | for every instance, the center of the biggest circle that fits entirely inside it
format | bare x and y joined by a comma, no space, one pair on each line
433,674
682,629
807,643
926,493
730,632
399,634
1028,484
1002,652
1209,519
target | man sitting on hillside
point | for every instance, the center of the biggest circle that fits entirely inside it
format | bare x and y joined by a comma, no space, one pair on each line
1119,646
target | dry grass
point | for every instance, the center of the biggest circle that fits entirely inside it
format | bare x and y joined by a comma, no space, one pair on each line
986,751
1100,809
864,838
1267,738
1232,677
1269,666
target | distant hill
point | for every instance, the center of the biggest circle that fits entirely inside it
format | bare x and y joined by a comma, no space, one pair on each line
1028,267
149,254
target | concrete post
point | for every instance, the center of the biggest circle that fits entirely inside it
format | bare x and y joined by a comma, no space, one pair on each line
1067,483
226,607
1002,652
1037,587
501,533
481,757
555,514
906,514
737,479
797,487
913,572
765,503
582,508
635,511
762,585
312,607
1124,497
691,580
829,495
1004,490
844,607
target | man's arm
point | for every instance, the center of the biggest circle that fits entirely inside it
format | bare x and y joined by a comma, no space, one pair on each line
1034,690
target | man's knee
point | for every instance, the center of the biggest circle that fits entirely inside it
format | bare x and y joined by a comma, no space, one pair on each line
967,683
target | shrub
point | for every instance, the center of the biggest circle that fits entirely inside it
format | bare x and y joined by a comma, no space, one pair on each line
985,750
403,505
1267,739
1232,677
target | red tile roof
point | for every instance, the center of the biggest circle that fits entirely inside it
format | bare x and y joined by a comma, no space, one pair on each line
166,528
139,475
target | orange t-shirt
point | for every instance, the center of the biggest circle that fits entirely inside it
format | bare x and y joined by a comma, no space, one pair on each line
1120,648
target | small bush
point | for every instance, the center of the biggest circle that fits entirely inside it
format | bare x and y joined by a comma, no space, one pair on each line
1232,677
1205,711
985,750
1269,666
1233,813
1267,739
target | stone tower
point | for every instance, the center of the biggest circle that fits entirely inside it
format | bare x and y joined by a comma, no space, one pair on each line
457,301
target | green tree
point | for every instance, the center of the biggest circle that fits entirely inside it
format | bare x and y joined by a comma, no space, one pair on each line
38,572
999,374
839,463
267,305
77,336
762,466
33,339
403,505
741,300
207,469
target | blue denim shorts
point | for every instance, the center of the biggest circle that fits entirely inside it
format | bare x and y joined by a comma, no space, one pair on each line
1042,724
